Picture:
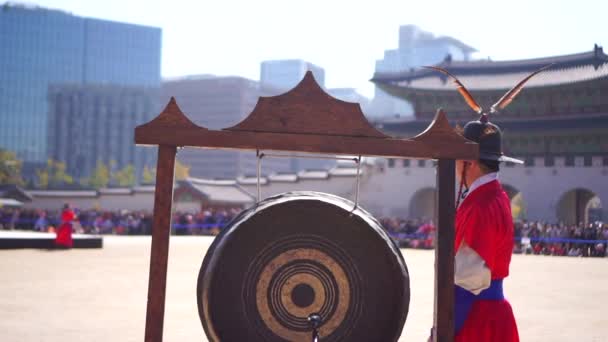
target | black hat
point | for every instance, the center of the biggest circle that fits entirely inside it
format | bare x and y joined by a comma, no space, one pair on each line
489,138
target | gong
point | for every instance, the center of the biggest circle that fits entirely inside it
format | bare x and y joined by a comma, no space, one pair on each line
301,254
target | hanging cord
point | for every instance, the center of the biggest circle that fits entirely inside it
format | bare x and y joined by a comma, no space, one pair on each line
259,156
463,183
358,161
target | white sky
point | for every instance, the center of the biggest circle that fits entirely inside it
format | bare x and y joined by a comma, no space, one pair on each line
232,37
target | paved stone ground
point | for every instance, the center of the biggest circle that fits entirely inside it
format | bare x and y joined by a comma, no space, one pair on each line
100,295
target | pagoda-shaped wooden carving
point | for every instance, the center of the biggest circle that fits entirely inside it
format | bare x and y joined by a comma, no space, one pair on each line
305,119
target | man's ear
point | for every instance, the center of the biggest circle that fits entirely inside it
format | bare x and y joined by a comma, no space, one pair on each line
471,165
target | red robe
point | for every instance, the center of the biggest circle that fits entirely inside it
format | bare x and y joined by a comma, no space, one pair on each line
64,233
484,223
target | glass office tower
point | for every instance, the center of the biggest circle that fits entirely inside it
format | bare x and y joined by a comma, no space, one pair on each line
42,47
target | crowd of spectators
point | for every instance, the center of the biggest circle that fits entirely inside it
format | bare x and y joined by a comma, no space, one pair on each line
587,240
89,221
410,233
123,222
209,221
561,239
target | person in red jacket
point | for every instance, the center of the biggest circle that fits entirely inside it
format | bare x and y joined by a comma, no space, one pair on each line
483,242
64,233
484,230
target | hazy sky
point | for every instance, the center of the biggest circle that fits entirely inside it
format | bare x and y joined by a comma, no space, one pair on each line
232,37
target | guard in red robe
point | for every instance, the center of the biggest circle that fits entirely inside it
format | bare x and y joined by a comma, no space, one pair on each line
484,230
64,233
483,243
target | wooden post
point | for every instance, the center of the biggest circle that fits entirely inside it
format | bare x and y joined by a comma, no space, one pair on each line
444,251
161,230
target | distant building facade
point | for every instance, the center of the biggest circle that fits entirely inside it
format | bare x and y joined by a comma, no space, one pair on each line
40,47
416,48
558,125
349,95
91,123
285,74
216,103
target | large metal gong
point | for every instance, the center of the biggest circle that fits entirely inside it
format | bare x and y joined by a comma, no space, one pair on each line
299,254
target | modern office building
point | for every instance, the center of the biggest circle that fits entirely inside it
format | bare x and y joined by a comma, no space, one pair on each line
350,95
40,47
91,123
285,74
416,48
216,103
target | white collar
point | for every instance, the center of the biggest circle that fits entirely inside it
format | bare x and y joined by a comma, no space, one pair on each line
485,179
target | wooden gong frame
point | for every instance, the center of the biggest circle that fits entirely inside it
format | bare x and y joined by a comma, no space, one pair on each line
305,119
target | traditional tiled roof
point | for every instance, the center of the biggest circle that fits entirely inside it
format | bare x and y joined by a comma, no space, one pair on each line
247,180
586,122
219,191
91,193
15,192
283,177
9,202
313,174
144,188
116,191
63,193
346,169
490,75
341,172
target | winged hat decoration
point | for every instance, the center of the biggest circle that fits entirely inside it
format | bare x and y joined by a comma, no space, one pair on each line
501,104
483,132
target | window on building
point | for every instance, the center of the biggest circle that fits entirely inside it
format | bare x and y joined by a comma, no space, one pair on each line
529,162
569,161
549,161
391,162
406,163
587,161
421,162
605,161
